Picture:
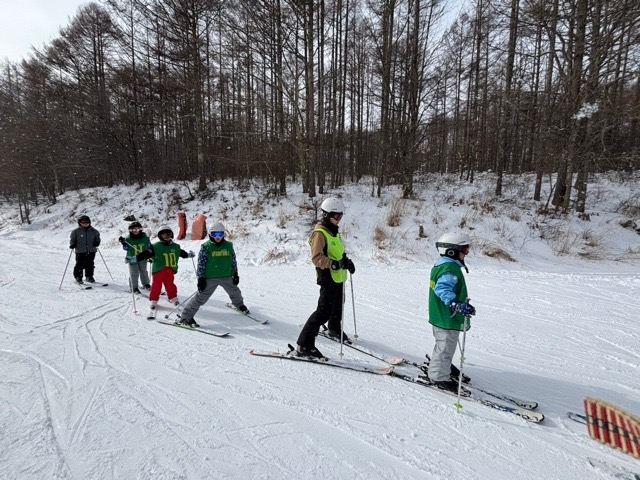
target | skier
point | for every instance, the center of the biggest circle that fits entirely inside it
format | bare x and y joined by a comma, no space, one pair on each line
85,240
448,307
165,255
217,266
136,243
327,254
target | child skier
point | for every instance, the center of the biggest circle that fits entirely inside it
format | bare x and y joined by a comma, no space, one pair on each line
327,254
165,255
136,243
85,240
448,307
217,266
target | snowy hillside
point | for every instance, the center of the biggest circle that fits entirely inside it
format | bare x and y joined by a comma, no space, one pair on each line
89,389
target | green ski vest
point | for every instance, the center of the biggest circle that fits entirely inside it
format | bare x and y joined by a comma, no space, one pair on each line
335,251
138,244
439,313
219,259
165,256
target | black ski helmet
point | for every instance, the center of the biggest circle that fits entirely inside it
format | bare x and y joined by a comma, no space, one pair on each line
134,225
83,218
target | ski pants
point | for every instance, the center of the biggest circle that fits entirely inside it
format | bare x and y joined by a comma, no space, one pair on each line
84,262
329,310
201,297
138,270
163,277
443,351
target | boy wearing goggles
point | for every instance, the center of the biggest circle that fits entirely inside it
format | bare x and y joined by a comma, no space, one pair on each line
217,267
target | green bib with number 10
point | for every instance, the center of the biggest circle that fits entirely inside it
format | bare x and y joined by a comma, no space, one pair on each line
165,256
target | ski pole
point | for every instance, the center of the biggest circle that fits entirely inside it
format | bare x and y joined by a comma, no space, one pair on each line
194,266
353,305
65,269
464,338
342,321
180,305
105,265
133,296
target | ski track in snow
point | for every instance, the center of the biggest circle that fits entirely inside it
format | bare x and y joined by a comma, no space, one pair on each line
92,391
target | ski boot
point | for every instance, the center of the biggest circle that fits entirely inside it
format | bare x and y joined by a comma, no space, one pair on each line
188,322
455,373
336,335
309,352
243,309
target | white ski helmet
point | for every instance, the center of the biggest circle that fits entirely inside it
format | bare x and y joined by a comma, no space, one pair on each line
217,227
214,231
451,243
332,204
163,230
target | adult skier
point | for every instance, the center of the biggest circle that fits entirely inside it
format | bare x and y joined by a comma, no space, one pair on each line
217,267
448,307
331,262
85,240
136,243
165,254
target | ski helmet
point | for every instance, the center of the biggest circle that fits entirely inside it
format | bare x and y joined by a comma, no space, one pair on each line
165,230
216,229
331,205
450,244
83,218
133,225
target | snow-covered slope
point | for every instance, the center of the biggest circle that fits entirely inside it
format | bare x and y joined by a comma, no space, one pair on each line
91,390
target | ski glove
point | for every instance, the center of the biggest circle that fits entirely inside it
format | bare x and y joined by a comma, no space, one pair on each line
336,265
202,284
348,264
235,278
122,240
132,259
463,308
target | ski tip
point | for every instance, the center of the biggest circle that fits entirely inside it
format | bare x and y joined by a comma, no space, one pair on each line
396,361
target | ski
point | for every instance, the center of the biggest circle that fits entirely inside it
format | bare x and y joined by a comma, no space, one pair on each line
249,315
399,361
527,404
328,362
196,329
528,415
394,361
618,472
577,417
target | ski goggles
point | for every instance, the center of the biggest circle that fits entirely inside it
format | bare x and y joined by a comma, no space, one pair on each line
132,229
217,234
336,215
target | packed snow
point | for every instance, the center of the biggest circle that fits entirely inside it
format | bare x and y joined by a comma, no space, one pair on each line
90,389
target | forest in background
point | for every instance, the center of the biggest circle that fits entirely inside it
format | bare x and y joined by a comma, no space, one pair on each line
324,92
